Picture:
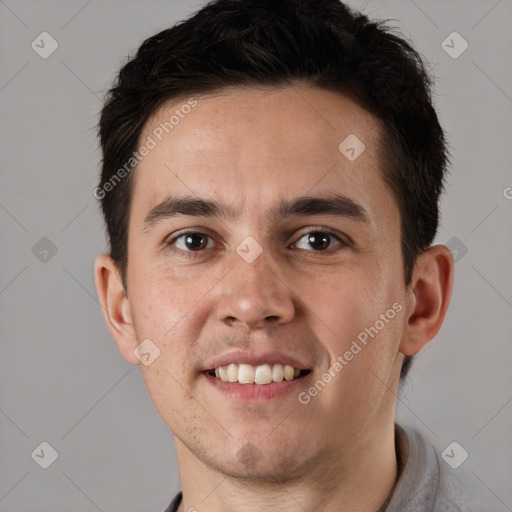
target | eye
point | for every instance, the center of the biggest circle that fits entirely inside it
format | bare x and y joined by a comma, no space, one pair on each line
319,241
192,241
195,241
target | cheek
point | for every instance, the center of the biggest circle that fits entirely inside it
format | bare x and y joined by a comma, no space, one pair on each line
355,318
171,309
163,297
169,391
340,302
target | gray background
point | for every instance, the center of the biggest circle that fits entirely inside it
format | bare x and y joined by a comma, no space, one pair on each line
62,379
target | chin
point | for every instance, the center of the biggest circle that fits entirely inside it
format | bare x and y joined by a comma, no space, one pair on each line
250,463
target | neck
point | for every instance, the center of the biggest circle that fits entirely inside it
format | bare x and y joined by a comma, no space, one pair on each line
361,479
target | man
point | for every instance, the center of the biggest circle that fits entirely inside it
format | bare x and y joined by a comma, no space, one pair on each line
270,184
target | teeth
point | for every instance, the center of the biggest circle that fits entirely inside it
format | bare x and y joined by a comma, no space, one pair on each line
262,374
232,372
277,373
223,373
245,374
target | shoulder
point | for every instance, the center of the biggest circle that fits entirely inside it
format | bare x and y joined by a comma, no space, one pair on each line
175,503
427,483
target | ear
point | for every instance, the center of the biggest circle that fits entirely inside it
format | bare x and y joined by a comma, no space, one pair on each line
115,305
429,298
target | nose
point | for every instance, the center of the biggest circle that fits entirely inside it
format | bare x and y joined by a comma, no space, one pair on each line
255,294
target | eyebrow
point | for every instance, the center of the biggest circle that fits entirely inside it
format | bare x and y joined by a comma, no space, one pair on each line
338,205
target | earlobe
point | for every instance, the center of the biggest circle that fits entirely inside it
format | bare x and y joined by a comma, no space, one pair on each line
431,290
115,305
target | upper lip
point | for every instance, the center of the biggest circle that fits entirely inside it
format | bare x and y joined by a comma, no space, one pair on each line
254,359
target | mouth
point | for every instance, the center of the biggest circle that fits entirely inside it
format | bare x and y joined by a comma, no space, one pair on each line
250,378
260,375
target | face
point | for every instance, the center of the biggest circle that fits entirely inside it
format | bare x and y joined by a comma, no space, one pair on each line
255,240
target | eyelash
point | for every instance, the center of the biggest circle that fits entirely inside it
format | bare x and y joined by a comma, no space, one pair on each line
196,254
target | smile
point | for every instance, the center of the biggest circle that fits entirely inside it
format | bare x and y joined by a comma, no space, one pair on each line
259,375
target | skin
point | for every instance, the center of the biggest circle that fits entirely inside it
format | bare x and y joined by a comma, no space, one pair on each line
252,148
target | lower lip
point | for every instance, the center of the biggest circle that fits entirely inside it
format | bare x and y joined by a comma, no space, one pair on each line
255,392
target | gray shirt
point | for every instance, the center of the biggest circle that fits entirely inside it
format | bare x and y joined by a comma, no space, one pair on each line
425,484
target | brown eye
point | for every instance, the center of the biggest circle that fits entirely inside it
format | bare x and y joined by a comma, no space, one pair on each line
196,241
192,241
318,241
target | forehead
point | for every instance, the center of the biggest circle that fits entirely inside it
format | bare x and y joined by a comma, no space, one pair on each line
254,147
